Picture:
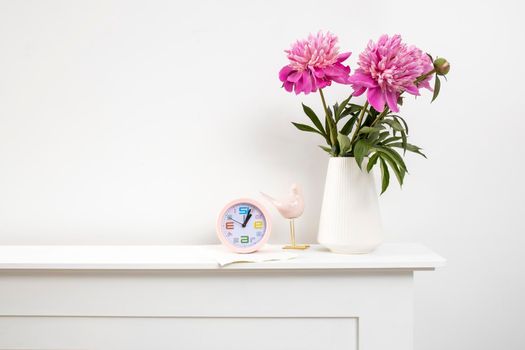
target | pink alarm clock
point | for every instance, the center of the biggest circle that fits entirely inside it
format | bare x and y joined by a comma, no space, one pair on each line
243,225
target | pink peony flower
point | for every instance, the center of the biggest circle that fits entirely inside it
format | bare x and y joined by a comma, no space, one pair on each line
387,68
314,63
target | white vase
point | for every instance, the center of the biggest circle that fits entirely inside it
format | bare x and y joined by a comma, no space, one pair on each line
350,221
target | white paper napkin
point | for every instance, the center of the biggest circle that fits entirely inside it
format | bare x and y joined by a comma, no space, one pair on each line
268,253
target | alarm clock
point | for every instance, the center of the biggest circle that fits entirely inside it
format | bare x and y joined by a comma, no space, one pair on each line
243,225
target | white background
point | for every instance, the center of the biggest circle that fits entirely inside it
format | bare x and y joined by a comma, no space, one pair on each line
133,122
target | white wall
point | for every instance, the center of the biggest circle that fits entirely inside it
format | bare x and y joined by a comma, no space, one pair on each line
133,122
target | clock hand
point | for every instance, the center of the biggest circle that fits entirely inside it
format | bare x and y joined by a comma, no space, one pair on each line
230,218
248,216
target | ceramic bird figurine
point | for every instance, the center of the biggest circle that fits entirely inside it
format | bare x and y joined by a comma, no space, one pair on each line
290,207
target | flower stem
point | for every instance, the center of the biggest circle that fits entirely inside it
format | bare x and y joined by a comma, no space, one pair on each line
359,120
331,126
380,116
324,102
424,76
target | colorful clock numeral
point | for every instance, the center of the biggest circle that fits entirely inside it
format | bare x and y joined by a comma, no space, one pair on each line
243,210
229,225
257,224
245,239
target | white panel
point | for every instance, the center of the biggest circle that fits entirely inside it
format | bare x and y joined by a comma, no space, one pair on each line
203,293
381,300
96,333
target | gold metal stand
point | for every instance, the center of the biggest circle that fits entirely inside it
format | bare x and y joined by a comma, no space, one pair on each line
292,236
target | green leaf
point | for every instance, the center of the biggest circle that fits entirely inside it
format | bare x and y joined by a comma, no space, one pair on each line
367,130
382,136
347,128
397,125
314,118
400,173
372,161
409,147
373,112
395,156
375,134
355,108
393,123
336,109
437,86
349,111
361,149
342,107
369,120
402,120
326,149
345,113
307,128
391,139
327,128
344,144
385,176
332,131
404,141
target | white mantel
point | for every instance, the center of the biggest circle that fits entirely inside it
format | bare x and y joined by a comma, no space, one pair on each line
389,256
147,297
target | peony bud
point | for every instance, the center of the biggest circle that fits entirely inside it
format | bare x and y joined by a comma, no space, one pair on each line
441,66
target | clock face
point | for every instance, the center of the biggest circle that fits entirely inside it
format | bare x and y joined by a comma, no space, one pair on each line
243,226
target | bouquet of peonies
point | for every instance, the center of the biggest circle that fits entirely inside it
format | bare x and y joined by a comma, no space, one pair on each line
386,70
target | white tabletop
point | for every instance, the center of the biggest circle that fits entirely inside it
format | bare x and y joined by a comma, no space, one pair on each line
408,256
183,257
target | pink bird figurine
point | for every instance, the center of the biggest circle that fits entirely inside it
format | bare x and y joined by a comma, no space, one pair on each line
290,207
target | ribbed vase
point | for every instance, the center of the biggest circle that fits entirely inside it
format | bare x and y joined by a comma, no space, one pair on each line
350,221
